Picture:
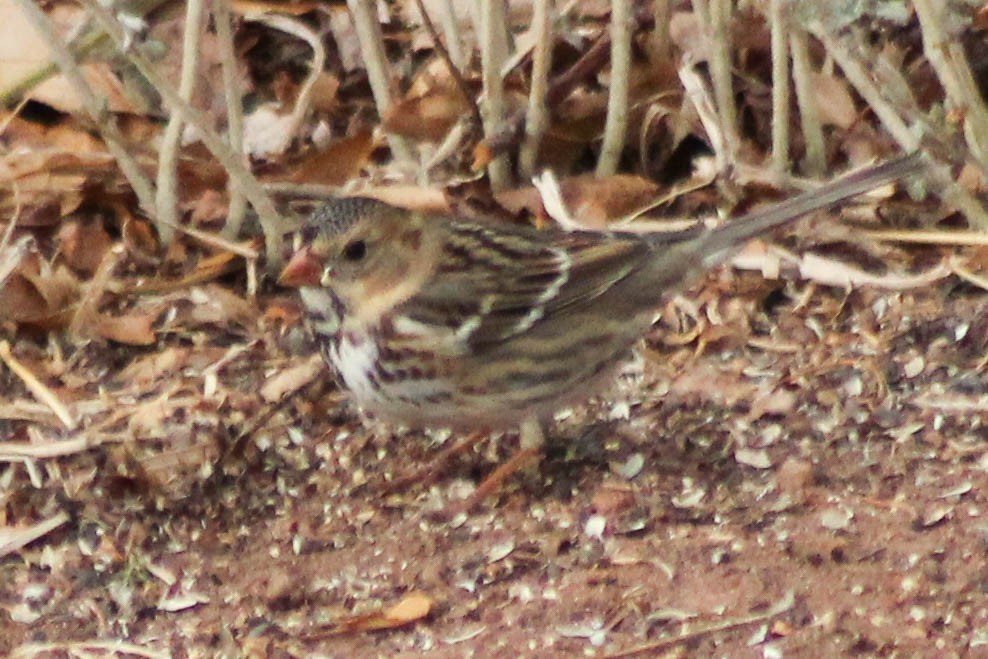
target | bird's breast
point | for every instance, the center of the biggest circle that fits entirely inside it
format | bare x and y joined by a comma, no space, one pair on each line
355,357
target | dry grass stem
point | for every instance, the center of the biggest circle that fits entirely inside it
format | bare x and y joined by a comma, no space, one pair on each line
37,387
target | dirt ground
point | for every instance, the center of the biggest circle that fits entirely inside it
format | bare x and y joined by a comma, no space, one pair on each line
792,471
790,466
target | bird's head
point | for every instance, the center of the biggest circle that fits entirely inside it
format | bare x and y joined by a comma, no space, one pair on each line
369,254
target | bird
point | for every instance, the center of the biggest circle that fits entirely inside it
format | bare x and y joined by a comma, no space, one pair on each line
433,321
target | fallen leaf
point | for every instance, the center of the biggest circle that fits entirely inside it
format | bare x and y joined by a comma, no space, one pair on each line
39,294
413,606
834,100
23,52
338,163
426,118
153,367
591,201
325,90
292,379
83,244
131,329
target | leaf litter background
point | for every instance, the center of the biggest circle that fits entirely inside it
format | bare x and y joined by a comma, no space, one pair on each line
795,464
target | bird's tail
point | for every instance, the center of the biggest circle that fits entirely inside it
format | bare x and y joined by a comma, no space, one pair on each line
717,244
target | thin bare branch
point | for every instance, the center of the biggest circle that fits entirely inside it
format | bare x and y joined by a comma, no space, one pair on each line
493,55
847,52
714,17
166,197
947,58
809,112
660,41
779,26
271,222
371,41
234,112
537,117
451,65
451,30
616,126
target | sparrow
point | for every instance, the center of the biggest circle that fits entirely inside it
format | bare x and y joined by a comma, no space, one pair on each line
436,321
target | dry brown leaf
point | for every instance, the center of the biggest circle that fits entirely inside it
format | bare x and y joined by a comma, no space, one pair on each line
131,329
139,237
706,382
43,211
39,294
258,7
482,156
175,443
281,312
70,147
429,117
980,21
23,52
147,419
38,141
83,244
211,208
413,197
834,100
21,302
325,93
198,172
579,118
22,132
433,74
209,304
591,201
50,162
413,606
159,365
338,163
292,379
206,269
971,178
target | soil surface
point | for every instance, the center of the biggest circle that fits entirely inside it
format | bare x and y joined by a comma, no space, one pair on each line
785,470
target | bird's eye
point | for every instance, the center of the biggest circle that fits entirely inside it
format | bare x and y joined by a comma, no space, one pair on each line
309,233
355,250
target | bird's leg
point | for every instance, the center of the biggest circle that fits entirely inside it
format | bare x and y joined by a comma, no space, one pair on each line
529,454
430,472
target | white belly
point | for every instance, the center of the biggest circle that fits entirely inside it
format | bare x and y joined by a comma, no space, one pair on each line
405,400
355,363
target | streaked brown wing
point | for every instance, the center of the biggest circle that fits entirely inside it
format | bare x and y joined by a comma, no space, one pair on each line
495,283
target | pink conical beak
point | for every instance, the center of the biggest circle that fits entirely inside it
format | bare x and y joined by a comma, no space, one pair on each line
303,269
